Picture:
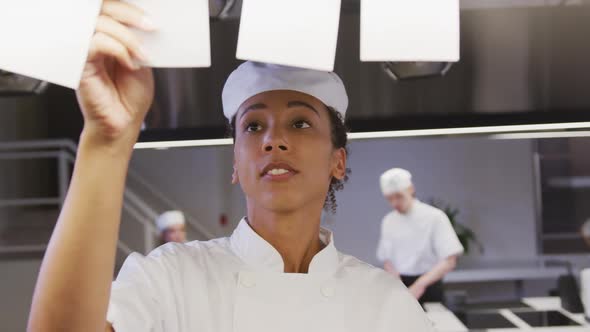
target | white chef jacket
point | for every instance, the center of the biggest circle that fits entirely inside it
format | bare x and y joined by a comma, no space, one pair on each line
416,241
237,284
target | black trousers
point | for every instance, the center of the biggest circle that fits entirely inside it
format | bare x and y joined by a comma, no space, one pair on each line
434,292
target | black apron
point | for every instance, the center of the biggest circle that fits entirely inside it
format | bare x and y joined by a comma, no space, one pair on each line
433,293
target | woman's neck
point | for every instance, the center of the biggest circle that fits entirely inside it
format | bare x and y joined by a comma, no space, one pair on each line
294,235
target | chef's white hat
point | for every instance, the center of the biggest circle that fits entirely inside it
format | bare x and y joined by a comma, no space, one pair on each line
395,180
252,78
169,218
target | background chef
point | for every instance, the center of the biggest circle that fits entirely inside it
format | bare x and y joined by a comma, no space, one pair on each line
418,243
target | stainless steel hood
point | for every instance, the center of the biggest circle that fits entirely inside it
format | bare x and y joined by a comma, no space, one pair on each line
522,62
519,64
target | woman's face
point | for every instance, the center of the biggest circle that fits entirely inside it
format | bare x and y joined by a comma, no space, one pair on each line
283,153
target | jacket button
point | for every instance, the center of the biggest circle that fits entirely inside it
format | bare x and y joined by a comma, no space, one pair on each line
328,291
247,281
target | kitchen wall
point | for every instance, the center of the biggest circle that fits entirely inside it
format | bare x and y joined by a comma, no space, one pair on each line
490,181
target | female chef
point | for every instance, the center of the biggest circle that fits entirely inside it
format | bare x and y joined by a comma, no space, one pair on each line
418,243
278,271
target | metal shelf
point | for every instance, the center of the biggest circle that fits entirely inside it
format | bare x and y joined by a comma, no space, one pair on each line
22,202
23,249
572,182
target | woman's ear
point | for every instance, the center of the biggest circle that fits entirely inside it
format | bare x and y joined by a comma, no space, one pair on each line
339,163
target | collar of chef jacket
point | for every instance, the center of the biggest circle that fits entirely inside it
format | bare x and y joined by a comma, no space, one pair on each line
261,255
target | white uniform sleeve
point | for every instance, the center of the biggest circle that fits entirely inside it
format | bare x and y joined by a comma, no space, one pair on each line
446,242
135,297
384,246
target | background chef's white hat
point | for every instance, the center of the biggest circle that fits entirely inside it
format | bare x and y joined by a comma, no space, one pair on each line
395,180
169,218
252,78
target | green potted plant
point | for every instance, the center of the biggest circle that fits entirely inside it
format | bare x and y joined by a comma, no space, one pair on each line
465,234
